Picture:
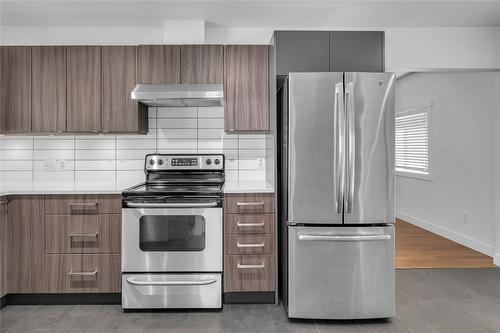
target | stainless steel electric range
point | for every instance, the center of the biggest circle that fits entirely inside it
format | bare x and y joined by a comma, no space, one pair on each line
172,234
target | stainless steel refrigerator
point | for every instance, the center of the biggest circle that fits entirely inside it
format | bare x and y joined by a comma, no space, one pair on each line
337,195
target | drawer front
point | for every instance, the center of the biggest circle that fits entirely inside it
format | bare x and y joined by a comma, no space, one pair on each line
249,223
149,291
249,273
83,204
82,273
249,244
83,233
249,203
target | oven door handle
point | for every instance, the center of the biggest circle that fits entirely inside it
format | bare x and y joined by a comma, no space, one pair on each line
171,205
137,282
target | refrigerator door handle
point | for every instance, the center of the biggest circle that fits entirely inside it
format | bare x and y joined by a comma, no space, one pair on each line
339,155
344,238
350,146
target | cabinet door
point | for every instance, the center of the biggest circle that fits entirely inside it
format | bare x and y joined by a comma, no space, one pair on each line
246,88
119,112
302,51
202,64
48,88
158,64
25,234
356,51
15,89
84,88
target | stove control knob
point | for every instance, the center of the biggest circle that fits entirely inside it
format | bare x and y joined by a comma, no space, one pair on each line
208,161
160,162
151,162
216,161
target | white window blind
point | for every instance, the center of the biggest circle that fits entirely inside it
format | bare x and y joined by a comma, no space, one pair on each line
412,141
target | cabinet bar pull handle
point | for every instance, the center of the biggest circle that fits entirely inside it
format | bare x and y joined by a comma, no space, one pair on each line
240,266
75,235
250,245
83,206
93,273
260,224
257,203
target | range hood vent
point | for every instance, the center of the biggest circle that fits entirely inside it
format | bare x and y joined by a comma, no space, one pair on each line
179,95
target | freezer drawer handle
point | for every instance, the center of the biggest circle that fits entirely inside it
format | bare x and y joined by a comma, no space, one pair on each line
250,245
171,283
75,235
260,224
171,205
257,203
240,266
353,238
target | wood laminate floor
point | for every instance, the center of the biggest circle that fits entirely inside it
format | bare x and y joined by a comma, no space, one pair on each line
419,248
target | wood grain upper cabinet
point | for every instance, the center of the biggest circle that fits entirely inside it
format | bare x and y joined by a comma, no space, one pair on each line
83,88
15,89
119,112
356,51
158,64
246,88
48,88
202,64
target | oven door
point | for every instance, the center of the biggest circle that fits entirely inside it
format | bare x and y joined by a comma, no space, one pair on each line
171,239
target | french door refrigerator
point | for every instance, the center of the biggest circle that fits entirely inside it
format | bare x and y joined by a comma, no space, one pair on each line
337,189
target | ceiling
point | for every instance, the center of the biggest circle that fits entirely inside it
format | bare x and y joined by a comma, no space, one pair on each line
231,13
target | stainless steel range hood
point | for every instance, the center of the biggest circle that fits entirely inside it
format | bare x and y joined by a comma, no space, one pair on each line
179,95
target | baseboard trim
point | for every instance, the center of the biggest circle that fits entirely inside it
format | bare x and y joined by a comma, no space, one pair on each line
254,297
63,299
449,234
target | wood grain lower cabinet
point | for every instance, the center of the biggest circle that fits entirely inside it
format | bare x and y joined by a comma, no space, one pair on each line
244,273
69,273
48,88
15,89
249,242
83,88
25,262
83,203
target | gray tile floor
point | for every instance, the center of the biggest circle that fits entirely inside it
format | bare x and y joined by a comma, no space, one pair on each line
448,300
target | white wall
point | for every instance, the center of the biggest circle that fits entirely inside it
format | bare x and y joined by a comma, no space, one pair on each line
405,47
461,164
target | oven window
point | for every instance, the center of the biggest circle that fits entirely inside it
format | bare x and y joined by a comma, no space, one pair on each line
172,233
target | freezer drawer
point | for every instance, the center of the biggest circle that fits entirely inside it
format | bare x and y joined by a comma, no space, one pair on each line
341,272
171,291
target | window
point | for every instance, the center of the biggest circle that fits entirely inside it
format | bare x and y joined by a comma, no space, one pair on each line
412,141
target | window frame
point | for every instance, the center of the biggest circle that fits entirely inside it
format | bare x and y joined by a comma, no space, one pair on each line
409,110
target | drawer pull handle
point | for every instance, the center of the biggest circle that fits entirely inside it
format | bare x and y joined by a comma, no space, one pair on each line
82,274
257,203
94,235
240,266
251,245
260,224
83,206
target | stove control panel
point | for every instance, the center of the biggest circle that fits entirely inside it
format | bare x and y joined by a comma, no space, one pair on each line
184,162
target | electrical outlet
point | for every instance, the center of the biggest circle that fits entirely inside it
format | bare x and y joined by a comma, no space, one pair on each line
466,217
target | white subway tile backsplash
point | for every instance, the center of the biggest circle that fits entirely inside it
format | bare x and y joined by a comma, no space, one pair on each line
95,144
116,162
176,123
177,112
97,154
